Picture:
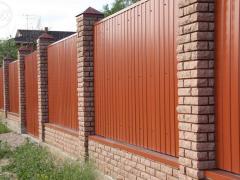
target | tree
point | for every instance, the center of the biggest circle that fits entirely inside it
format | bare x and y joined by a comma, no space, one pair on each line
116,6
8,48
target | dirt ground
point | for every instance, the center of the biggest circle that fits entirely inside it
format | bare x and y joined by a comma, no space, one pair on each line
12,139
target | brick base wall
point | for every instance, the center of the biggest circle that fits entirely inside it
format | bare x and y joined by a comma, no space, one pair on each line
1,114
121,164
65,141
13,123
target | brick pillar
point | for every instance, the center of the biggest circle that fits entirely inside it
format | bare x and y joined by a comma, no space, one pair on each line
196,88
22,52
42,44
85,27
6,62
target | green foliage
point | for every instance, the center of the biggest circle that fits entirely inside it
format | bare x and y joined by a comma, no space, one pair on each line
116,6
8,48
5,150
3,128
32,161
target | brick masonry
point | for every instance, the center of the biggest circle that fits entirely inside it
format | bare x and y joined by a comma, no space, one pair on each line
121,164
196,87
22,52
85,27
42,45
13,123
67,142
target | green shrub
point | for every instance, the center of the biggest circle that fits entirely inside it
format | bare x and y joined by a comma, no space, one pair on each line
3,128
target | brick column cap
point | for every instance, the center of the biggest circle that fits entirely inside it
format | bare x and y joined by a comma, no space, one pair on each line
46,36
8,59
91,12
24,49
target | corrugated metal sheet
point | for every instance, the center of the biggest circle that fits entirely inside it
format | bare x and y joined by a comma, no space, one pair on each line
227,85
135,76
31,92
62,83
13,87
1,89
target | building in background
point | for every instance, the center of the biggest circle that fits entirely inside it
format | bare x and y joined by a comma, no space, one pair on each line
25,37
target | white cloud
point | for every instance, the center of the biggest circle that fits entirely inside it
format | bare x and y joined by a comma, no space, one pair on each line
55,14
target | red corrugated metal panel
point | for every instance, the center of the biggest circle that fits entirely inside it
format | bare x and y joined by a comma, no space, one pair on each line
135,76
13,87
1,89
227,85
62,83
31,92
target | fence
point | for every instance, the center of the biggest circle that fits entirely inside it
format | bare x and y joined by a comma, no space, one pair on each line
31,93
135,77
62,83
227,85
13,87
1,89
133,131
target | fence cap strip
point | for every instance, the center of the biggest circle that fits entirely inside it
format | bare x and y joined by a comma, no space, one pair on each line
122,11
32,53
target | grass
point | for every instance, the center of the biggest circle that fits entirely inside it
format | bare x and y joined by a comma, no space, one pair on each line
3,128
31,161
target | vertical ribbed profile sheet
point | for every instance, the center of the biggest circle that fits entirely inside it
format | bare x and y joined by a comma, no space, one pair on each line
135,76
31,93
62,83
228,85
13,87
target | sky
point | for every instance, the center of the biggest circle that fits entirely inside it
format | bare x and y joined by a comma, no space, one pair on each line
37,14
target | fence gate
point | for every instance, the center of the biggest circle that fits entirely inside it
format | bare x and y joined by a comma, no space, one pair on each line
227,85
31,91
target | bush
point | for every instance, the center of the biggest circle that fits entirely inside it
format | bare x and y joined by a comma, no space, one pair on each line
3,128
